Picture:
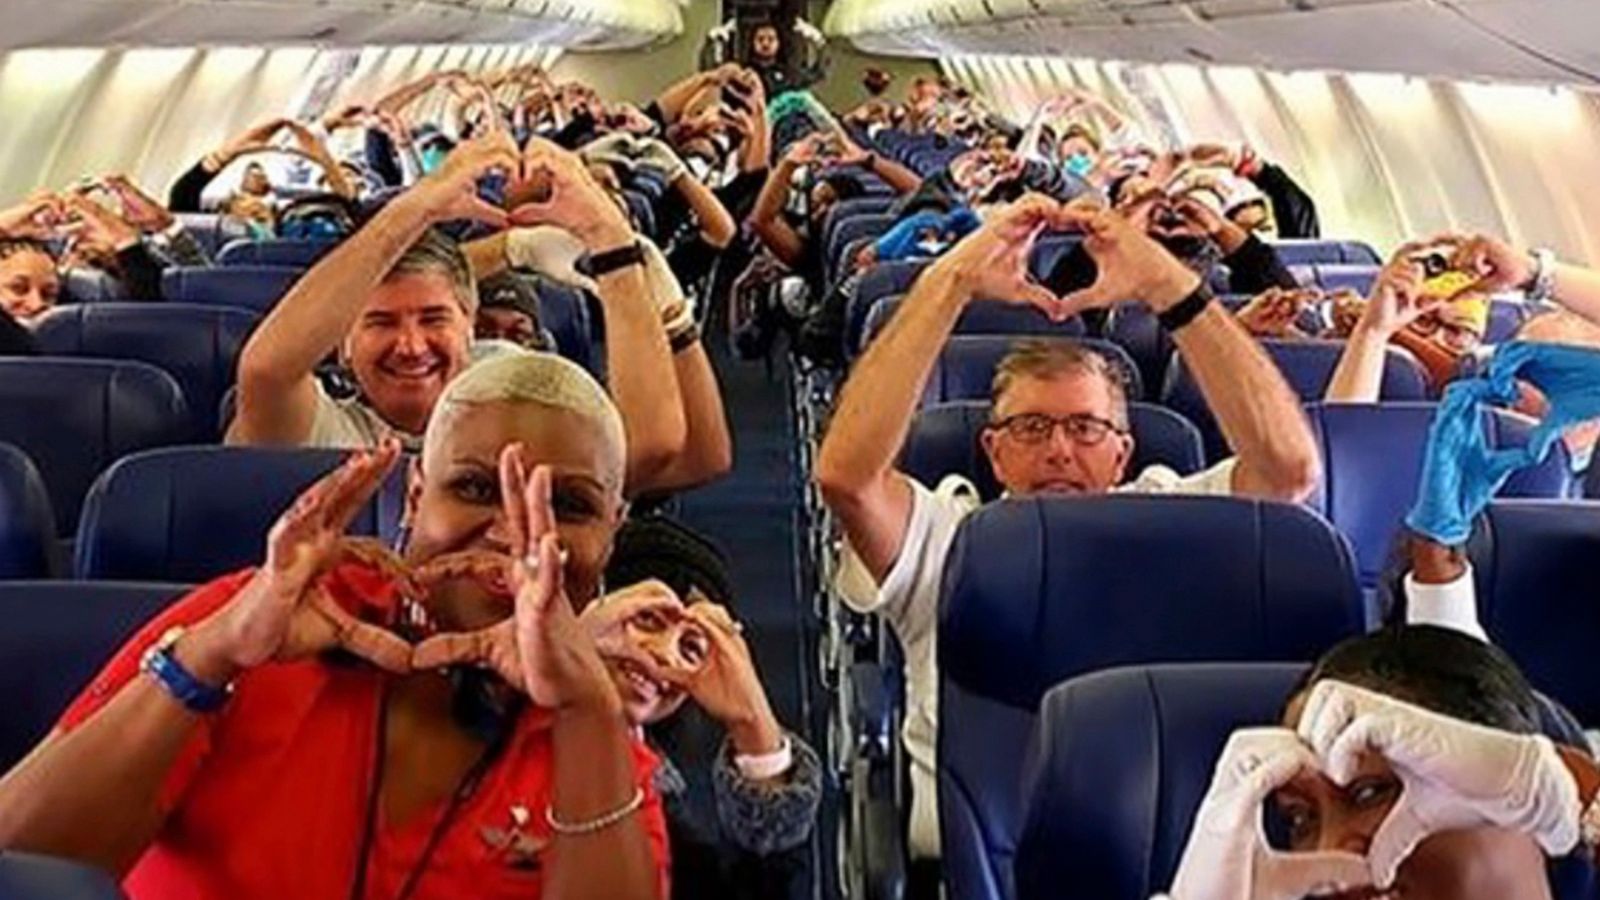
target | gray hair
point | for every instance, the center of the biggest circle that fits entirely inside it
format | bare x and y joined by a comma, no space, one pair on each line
1048,357
529,377
435,253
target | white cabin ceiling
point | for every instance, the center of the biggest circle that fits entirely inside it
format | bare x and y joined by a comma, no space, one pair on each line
1522,40
573,24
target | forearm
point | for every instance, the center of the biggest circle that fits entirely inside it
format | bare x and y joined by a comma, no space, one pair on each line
877,403
308,323
1257,413
640,375
767,217
716,225
594,776
405,95
487,256
1359,376
673,100
1578,289
708,447
757,152
185,193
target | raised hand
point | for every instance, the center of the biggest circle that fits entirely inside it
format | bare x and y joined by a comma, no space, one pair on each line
728,687
452,191
541,650
97,227
285,612
35,218
1132,266
992,262
1456,774
567,196
1498,266
1228,857
1397,297
1272,313
138,208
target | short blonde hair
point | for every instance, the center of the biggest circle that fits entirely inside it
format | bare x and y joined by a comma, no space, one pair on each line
1045,358
540,378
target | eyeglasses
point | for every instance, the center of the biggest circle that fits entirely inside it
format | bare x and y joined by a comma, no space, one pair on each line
1458,337
1084,429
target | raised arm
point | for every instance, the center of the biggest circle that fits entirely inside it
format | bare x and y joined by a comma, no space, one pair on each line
717,227
316,149
184,196
856,465
639,369
767,218
1397,300
1503,268
902,179
277,393
1258,414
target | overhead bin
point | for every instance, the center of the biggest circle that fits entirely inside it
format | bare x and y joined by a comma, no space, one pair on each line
1518,40
572,24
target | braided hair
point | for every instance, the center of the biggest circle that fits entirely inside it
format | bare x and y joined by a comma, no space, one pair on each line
658,547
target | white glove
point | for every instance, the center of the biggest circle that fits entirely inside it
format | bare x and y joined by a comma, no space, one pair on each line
1228,857
1456,774
655,154
672,304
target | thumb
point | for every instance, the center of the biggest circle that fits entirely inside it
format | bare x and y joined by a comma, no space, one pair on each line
1291,876
1402,830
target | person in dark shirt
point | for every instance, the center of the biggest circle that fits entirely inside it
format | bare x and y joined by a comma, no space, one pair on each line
14,339
29,283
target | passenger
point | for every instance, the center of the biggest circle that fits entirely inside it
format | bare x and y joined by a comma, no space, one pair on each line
29,282
766,59
253,202
1410,760
1059,425
397,301
343,760
1292,210
740,821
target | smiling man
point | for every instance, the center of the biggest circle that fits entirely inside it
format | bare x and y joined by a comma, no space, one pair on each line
1058,425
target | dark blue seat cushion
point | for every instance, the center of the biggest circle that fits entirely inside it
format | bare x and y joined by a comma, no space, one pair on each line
256,288
27,525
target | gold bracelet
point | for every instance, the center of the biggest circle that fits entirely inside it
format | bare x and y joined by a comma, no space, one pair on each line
599,823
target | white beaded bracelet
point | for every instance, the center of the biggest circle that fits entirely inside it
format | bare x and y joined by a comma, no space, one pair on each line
765,766
599,823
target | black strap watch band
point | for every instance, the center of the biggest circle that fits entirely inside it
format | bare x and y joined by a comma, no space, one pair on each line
1186,310
607,261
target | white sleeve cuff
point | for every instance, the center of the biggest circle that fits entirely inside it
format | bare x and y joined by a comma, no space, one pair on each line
766,766
1453,604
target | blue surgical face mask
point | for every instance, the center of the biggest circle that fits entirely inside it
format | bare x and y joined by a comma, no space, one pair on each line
432,158
1580,458
1078,165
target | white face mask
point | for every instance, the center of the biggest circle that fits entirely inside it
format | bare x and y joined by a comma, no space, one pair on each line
931,246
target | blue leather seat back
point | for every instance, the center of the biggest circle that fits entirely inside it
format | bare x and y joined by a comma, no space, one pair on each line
74,417
93,286
1372,459
1505,317
564,312
58,634
944,441
27,525
1537,585
1337,276
885,279
1307,366
850,209
1048,252
249,287
1134,328
1316,251
965,369
1079,590
982,317
29,876
197,345
181,514
1120,762
296,252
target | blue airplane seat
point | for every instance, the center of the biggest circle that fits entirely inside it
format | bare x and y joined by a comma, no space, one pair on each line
27,524
74,417
79,285
944,441
1372,459
257,288
965,368
196,344
1081,590
847,231
564,312
190,514
884,279
58,635
31,876
297,252
1307,366
981,317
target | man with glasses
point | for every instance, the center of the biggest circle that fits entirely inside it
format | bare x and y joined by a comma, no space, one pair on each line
1059,425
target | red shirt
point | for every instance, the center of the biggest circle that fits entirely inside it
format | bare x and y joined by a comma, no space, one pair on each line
269,798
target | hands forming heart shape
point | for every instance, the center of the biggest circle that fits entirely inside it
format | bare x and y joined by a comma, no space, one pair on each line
992,262
1455,775
298,606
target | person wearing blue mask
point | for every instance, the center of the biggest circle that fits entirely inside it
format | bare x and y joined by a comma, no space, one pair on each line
1078,151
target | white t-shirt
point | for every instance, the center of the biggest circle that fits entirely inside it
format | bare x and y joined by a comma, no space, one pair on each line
908,600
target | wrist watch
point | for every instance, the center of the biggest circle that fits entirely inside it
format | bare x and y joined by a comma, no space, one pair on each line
195,695
1186,310
1543,285
607,261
